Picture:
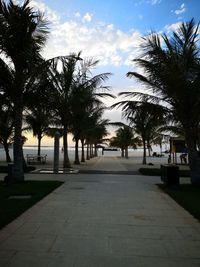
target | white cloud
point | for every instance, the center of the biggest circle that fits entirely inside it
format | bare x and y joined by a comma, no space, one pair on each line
151,2
172,27
51,15
102,41
77,14
181,10
154,2
87,17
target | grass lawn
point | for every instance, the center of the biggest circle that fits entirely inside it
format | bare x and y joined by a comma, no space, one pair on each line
10,208
188,196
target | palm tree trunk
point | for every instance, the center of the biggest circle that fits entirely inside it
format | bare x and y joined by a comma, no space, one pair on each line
88,152
24,161
39,144
126,152
144,161
95,150
149,148
66,162
6,148
18,172
193,157
82,151
76,161
91,152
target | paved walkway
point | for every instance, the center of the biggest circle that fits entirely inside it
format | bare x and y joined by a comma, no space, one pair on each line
102,221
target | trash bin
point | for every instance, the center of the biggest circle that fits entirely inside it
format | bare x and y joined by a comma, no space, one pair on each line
170,175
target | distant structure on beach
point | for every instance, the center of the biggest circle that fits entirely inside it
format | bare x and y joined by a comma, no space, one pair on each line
110,149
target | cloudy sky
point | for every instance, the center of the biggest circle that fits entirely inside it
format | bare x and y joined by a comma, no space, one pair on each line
111,31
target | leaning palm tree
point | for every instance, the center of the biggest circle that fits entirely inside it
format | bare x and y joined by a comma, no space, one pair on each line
172,71
23,33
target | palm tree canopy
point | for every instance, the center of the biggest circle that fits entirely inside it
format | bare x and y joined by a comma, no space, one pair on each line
22,49
172,70
124,138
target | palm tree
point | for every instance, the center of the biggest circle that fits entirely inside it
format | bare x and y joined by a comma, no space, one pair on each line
86,95
38,115
96,135
63,81
23,33
144,117
38,121
123,139
172,71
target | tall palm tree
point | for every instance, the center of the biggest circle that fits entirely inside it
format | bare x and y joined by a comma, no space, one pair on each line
63,72
86,95
172,72
23,33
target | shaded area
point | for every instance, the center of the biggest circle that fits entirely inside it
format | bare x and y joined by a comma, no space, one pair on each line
103,220
109,172
16,198
187,195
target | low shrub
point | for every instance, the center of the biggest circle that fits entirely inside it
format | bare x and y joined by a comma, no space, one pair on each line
186,195
4,169
11,208
157,172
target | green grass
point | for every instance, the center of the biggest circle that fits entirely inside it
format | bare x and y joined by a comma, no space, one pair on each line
12,208
157,172
188,196
4,168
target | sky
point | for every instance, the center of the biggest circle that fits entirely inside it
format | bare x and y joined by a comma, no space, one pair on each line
110,31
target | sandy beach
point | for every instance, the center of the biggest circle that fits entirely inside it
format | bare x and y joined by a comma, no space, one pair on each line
134,162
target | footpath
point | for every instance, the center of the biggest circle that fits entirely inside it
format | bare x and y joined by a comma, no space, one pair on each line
102,220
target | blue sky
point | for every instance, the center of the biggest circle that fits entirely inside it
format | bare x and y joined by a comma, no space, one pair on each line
128,14
111,31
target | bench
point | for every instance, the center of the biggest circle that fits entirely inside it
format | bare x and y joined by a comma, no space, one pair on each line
33,158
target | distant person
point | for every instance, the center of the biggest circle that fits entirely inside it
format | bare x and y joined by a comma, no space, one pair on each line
183,156
62,149
169,159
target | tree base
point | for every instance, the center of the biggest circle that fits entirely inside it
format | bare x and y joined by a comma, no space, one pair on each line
195,179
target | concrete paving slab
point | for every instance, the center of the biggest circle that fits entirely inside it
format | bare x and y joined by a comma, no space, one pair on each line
102,220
